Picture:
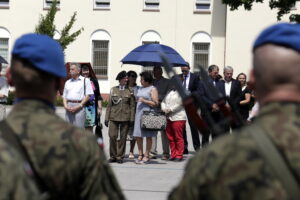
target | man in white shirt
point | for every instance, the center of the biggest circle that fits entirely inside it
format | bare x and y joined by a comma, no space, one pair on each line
77,92
3,95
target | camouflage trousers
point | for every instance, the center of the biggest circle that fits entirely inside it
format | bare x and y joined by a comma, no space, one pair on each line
2,111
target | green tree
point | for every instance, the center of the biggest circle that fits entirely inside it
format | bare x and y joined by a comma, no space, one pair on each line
283,6
46,26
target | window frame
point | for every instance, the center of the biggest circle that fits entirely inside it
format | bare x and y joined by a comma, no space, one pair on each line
4,4
156,4
96,7
201,52
100,76
4,66
203,2
47,4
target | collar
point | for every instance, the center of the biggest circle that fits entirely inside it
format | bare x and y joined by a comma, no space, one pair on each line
49,104
79,78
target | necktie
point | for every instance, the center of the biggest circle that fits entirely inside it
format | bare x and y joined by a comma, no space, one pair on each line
184,81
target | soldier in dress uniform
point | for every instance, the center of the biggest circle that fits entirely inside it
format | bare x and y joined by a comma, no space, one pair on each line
260,161
68,160
119,116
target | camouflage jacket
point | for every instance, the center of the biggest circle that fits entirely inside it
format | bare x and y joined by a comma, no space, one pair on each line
68,159
15,180
233,168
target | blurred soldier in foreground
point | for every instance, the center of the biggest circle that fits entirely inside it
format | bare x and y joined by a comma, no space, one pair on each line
15,183
239,166
67,159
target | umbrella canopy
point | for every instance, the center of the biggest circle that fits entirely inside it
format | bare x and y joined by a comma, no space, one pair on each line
149,55
2,60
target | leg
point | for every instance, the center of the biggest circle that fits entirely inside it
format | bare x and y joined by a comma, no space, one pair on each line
178,135
186,151
139,141
80,118
154,147
195,134
165,145
148,148
121,144
170,135
113,134
2,112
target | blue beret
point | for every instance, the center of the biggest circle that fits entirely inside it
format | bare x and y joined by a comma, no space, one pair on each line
42,52
282,34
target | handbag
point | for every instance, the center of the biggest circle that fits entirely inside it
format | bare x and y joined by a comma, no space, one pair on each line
153,120
97,129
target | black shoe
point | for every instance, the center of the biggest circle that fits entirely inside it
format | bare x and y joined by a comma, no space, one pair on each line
172,159
178,159
186,151
112,160
120,161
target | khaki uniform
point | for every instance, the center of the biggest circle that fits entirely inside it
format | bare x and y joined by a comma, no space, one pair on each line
120,113
68,159
15,183
232,167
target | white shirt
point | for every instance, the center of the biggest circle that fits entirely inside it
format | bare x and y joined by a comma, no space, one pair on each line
74,88
173,102
187,80
3,88
227,88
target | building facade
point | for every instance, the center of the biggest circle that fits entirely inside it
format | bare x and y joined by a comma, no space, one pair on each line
203,31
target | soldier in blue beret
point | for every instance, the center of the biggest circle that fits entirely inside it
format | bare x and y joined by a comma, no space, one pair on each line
260,161
67,160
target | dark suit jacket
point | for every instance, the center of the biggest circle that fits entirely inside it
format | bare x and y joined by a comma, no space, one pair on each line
235,92
193,83
206,95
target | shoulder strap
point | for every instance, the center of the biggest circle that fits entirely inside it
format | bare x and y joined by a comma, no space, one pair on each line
11,138
84,86
276,162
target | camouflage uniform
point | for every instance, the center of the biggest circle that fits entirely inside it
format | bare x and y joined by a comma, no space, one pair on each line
68,159
233,168
15,183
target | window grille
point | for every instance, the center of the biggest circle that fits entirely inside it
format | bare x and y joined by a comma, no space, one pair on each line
200,55
100,57
4,51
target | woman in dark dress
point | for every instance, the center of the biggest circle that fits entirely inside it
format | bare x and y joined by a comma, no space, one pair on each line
94,104
245,98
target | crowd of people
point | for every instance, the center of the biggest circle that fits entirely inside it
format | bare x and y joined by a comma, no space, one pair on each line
45,157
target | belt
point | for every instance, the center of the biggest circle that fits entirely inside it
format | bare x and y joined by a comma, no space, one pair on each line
74,101
3,103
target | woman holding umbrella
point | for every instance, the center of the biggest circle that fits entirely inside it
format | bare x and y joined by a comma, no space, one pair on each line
147,96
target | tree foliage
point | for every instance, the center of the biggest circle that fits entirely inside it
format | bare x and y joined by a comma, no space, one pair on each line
46,26
283,7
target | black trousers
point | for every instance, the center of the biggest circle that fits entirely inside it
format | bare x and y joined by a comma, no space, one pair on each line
195,136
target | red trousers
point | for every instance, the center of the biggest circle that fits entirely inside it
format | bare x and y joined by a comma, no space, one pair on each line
174,132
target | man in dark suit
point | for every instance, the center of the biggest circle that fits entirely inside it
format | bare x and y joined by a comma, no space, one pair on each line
212,109
191,83
231,89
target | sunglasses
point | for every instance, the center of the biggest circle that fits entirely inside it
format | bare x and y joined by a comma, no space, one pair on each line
184,71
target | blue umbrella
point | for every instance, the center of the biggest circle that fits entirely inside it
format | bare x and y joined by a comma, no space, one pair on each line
149,55
2,60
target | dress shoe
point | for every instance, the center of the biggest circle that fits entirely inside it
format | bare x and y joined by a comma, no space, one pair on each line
120,161
186,151
153,155
178,159
165,157
172,159
112,160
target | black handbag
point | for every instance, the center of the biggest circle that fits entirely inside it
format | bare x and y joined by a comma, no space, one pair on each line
97,129
153,120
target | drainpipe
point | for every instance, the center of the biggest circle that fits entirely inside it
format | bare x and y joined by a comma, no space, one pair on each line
225,38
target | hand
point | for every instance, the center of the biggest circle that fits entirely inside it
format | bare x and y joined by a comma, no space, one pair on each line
141,99
167,111
99,111
106,123
215,108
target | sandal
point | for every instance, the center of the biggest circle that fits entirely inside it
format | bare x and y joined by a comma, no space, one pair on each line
146,159
131,156
139,160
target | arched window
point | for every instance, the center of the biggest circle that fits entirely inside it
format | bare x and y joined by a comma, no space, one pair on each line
100,42
4,46
201,43
150,37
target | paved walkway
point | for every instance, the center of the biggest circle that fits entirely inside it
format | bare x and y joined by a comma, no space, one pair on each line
149,181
